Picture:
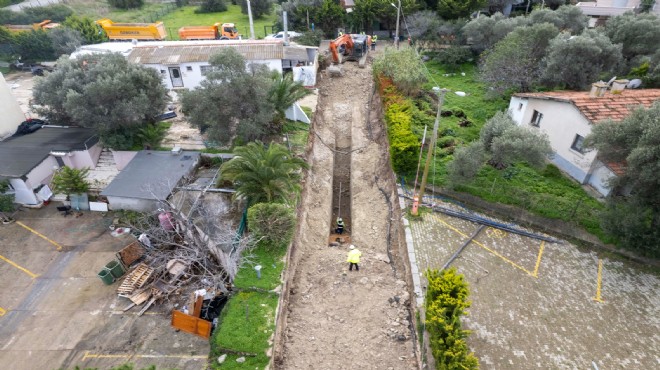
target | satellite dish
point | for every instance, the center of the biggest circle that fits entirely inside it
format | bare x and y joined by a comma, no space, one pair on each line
634,83
611,80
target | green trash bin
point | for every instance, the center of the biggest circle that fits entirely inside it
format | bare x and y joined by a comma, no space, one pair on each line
106,276
115,268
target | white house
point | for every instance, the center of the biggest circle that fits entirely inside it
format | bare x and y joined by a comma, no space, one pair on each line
567,118
12,115
29,161
598,11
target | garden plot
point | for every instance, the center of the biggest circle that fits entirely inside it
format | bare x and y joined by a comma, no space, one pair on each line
545,305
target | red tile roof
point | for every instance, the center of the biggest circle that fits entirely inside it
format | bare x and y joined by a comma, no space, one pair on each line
619,168
609,106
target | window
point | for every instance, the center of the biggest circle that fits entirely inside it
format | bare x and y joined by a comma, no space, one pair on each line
520,106
189,68
205,69
536,118
578,144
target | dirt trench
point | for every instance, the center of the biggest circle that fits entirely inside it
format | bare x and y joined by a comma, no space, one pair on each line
332,318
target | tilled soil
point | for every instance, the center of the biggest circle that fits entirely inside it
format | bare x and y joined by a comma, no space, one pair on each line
334,318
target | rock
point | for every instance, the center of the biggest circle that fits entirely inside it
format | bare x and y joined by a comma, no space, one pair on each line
240,360
222,358
364,280
401,338
405,297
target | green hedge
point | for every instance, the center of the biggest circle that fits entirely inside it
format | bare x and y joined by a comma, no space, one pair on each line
446,301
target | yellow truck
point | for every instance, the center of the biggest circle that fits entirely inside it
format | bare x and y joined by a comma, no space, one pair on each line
130,31
225,31
44,25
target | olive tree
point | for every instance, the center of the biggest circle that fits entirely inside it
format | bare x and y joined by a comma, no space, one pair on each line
574,62
638,34
402,66
100,91
484,32
634,220
65,40
231,102
514,63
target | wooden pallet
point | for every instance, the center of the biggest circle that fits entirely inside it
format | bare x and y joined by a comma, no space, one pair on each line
130,253
135,279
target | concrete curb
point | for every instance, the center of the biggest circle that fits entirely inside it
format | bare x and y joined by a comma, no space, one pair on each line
414,269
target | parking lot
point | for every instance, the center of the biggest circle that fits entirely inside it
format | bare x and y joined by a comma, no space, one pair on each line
56,313
546,305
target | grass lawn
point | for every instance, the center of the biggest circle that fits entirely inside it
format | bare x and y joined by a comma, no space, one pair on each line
298,132
246,324
544,192
95,9
271,268
186,16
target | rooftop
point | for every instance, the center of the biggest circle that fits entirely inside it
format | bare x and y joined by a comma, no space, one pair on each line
152,175
20,154
609,106
169,52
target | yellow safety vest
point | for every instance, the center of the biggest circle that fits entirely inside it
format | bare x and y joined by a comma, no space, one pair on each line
354,256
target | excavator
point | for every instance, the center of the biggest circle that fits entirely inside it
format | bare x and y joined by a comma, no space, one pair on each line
349,47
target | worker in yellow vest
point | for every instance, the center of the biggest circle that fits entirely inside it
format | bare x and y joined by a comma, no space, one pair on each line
353,258
374,39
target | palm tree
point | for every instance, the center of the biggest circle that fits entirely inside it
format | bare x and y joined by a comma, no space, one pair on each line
264,174
151,135
283,93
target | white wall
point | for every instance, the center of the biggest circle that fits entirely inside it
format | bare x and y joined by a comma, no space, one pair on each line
42,174
193,78
600,177
122,158
12,115
23,193
131,204
561,122
517,107
83,158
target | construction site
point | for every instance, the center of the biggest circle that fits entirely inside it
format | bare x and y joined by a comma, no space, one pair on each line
537,301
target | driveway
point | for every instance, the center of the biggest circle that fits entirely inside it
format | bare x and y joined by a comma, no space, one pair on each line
55,311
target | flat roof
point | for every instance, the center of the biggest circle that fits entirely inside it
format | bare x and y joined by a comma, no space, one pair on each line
201,51
152,175
20,154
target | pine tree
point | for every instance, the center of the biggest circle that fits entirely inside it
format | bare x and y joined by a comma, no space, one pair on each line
69,180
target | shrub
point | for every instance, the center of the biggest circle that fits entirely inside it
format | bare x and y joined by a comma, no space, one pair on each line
212,6
126,4
272,223
403,67
446,301
454,56
403,143
69,180
258,7
311,38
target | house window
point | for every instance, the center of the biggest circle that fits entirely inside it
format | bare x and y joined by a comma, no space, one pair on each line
536,118
162,71
189,68
205,69
578,144
520,106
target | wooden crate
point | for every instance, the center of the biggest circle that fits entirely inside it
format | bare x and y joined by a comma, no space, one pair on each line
191,324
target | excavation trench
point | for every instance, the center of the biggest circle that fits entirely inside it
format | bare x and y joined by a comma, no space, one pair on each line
341,195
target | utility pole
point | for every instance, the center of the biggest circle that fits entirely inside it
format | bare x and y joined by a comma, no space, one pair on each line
251,23
398,13
434,137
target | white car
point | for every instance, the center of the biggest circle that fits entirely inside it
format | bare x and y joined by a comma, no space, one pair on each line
280,35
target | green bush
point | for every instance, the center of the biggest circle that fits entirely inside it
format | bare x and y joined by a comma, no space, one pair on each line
403,143
446,302
126,4
454,56
272,224
212,6
56,13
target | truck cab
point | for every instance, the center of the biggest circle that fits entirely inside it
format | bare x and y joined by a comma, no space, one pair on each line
229,31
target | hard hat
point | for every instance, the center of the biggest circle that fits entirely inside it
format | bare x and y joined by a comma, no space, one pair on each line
351,247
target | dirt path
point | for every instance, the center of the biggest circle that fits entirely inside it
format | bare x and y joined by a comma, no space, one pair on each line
335,318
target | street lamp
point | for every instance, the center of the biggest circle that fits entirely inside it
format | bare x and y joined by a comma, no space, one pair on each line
434,137
398,12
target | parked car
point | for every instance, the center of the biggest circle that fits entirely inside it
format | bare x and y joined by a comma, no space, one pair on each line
36,69
280,35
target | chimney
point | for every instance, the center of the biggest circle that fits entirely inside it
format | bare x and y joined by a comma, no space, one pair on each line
618,86
598,89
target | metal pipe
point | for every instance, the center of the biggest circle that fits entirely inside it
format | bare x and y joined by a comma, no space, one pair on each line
455,255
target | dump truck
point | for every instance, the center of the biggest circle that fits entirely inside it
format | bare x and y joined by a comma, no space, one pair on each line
133,31
44,25
224,31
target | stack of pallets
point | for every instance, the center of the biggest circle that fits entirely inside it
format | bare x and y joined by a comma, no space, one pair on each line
135,280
